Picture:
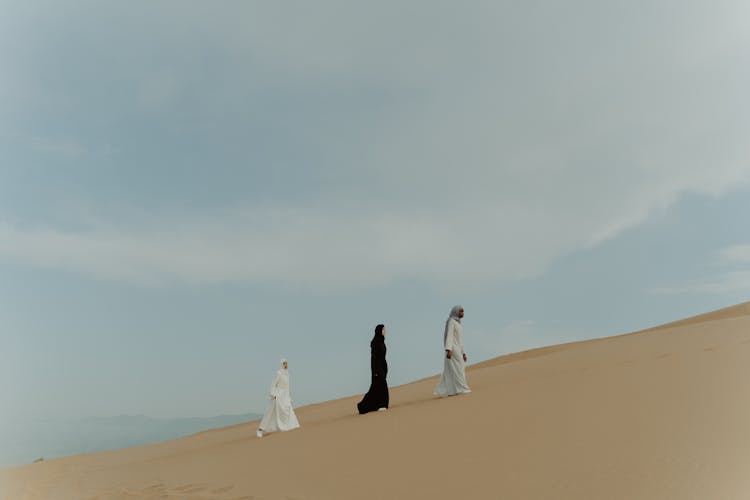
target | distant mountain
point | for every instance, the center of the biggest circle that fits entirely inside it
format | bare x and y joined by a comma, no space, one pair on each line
24,442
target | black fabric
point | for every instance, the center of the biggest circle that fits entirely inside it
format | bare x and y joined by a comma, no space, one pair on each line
377,396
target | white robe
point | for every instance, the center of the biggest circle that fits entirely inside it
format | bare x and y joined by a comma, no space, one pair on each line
453,380
279,414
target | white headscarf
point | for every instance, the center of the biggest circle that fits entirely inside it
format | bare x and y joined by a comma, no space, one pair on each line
454,316
455,311
283,373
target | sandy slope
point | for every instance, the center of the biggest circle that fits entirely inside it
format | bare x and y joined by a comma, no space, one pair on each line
662,413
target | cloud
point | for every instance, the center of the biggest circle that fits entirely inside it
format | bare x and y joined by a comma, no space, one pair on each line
734,280
287,248
66,148
457,145
726,283
284,248
736,254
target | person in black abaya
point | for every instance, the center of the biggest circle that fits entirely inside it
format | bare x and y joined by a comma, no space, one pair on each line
377,397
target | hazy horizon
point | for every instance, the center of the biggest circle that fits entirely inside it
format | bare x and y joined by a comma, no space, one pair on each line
24,442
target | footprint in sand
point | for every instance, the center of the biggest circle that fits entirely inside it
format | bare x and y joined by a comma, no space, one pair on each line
222,490
708,349
155,487
663,355
191,488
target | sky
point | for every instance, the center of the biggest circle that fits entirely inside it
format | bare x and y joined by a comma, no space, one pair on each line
190,191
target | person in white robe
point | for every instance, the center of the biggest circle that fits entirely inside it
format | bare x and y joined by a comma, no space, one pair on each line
453,380
279,414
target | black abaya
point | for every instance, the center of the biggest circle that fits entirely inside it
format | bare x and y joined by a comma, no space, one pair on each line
377,396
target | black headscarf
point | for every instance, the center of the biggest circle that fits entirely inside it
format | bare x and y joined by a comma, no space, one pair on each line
378,338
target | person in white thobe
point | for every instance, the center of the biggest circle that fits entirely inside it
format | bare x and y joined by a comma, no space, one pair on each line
453,380
279,414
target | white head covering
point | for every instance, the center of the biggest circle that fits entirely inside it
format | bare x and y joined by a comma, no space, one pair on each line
454,313
283,373
453,316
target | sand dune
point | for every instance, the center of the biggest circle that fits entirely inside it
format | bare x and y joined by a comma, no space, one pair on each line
660,414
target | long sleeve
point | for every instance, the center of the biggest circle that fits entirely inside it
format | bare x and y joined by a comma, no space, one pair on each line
378,365
450,338
275,384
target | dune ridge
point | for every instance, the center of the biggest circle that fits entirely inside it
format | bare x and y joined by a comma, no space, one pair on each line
657,414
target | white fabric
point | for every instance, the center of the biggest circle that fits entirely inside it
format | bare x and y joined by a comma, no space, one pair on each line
454,315
279,414
453,380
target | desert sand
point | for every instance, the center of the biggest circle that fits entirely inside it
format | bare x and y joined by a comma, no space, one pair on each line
659,414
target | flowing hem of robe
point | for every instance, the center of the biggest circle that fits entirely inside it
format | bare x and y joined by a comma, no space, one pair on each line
453,380
376,398
278,417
